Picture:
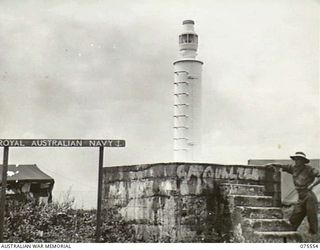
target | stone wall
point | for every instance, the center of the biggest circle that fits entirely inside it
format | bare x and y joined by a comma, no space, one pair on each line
181,202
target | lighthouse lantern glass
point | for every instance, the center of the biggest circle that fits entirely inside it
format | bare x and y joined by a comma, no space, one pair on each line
188,38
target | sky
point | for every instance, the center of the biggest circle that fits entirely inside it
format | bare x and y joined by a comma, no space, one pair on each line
103,69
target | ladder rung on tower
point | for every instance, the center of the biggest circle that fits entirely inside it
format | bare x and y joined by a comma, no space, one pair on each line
177,116
181,104
181,83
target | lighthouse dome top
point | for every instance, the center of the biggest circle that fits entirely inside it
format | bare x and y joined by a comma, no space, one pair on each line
188,22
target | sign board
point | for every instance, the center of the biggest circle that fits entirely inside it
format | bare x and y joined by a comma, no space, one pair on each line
61,143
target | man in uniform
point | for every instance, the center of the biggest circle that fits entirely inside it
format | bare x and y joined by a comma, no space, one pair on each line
304,178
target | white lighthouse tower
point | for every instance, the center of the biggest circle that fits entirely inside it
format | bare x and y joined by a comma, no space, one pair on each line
187,97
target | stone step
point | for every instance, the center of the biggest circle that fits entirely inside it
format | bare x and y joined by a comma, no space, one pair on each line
242,189
278,237
268,225
251,200
260,212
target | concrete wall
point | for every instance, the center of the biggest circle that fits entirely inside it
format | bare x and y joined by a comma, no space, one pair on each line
181,202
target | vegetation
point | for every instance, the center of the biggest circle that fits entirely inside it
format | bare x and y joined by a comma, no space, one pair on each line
60,222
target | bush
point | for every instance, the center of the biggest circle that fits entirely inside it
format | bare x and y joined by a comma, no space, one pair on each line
59,222
115,229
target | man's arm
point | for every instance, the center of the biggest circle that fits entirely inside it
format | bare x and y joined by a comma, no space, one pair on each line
284,167
317,180
315,183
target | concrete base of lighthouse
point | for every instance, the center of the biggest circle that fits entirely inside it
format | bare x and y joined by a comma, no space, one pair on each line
198,202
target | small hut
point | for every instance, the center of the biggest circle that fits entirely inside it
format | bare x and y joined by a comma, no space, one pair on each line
28,182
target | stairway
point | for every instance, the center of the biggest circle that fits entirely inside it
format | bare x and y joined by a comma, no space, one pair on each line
256,217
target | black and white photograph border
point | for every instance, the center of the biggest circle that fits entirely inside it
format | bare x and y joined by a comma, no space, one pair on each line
159,122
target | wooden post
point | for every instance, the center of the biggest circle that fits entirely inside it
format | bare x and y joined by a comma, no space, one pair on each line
100,179
3,190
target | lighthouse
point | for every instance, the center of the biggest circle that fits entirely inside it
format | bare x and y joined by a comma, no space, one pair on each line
187,97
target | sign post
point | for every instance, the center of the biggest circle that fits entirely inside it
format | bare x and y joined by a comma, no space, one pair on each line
3,190
6,143
100,180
